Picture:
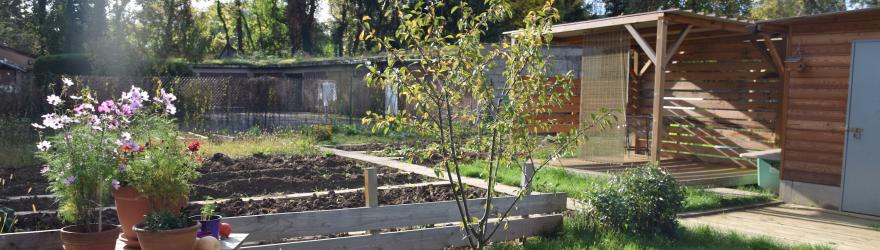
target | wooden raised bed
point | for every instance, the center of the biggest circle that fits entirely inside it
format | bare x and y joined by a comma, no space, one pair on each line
541,213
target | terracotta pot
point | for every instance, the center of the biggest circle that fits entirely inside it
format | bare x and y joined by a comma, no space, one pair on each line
131,207
85,237
175,239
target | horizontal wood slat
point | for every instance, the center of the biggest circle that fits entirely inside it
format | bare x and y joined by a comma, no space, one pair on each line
277,226
427,238
793,174
715,113
736,86
716,104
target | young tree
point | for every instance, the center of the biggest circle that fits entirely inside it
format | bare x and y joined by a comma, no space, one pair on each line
445,77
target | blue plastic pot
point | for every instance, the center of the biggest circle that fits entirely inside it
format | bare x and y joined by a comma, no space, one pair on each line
209,227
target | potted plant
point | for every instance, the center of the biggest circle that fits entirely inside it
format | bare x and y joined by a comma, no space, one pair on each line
80,165
159,167
210,222
167,230
153,168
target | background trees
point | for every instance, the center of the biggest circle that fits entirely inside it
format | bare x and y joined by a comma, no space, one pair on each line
112,31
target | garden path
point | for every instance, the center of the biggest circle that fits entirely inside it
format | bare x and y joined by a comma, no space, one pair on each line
798,225
426,171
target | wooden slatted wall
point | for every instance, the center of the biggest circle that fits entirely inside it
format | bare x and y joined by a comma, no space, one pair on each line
563,118
817,95
723,100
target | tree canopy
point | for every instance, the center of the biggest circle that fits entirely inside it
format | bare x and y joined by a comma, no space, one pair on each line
113,31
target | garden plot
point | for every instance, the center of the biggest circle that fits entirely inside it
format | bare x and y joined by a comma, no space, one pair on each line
259,184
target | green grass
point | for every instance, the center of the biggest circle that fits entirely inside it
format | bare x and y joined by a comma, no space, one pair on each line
697,199
288,143
19,142
578,186
547,179
577,233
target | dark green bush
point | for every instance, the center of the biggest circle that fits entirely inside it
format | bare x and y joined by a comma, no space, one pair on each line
641,201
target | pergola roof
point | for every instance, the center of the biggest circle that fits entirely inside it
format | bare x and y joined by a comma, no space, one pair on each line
702,22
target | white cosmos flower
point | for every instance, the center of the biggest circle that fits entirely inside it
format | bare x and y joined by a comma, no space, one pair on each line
44,145
67,81
126,136
37,125
54,100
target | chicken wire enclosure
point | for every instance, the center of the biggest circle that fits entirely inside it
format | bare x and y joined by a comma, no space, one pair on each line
604,78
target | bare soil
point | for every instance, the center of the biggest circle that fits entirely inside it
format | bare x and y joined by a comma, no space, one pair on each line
239,207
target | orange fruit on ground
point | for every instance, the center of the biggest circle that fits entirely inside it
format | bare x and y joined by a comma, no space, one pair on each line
225,230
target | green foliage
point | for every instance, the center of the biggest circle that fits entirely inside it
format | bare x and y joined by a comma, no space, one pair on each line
207,210
700,199
170,67
166,220
642,201
319,132
18,139
163,170
48,68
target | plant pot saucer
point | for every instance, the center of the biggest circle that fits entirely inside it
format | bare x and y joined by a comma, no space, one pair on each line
129,243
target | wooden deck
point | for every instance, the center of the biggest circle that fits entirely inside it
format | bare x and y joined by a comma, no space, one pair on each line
688,172
798,225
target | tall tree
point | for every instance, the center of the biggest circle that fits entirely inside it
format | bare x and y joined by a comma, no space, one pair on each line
300,24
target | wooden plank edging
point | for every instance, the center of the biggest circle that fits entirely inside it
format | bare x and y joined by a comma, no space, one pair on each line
285,225
428,238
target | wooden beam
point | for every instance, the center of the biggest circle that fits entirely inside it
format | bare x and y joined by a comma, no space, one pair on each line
645,68
642,43
659,79
774,53
720,25
676,44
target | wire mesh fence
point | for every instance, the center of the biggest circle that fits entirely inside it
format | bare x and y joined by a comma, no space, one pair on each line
240,103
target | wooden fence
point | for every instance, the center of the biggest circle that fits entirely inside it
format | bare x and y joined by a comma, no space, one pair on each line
532,215
561,118
722,99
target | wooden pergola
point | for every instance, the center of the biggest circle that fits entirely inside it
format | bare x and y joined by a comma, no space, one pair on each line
661,25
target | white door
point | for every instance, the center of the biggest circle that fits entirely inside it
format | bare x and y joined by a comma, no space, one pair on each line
861,176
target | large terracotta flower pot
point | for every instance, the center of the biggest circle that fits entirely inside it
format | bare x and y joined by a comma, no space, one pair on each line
86,237
175,239
131,207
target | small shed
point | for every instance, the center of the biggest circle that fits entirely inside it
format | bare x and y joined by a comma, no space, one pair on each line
832,113
693,91
713,88
15,79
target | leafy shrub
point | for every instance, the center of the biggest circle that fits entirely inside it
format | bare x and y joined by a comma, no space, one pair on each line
643,200
320,132
166,220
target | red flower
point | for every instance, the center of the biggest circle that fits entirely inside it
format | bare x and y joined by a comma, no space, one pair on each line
194,146
126,148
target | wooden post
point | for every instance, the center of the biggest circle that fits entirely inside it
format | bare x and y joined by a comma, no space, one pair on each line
371,191
528,170
659,84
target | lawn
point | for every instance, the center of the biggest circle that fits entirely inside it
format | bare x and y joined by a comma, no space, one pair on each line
577,233
552,179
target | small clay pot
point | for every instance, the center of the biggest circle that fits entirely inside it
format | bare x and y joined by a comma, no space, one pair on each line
212,226
87,237
174,239
131,207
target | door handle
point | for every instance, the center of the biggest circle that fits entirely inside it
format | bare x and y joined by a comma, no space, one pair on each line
857,132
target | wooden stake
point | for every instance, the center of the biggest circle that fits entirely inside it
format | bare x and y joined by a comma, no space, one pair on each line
659,80
371,191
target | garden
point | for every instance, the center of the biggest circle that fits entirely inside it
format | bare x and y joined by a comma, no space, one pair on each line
101,172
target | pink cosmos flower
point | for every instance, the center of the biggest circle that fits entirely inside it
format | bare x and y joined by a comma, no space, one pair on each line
69,180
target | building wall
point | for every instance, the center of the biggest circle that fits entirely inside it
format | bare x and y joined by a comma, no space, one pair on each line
816,104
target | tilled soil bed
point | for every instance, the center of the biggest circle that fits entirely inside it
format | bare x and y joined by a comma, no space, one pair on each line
239,207
260,175
249,176
429,193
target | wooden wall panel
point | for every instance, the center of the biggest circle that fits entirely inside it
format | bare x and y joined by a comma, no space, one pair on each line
562,118
722,99
817,96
